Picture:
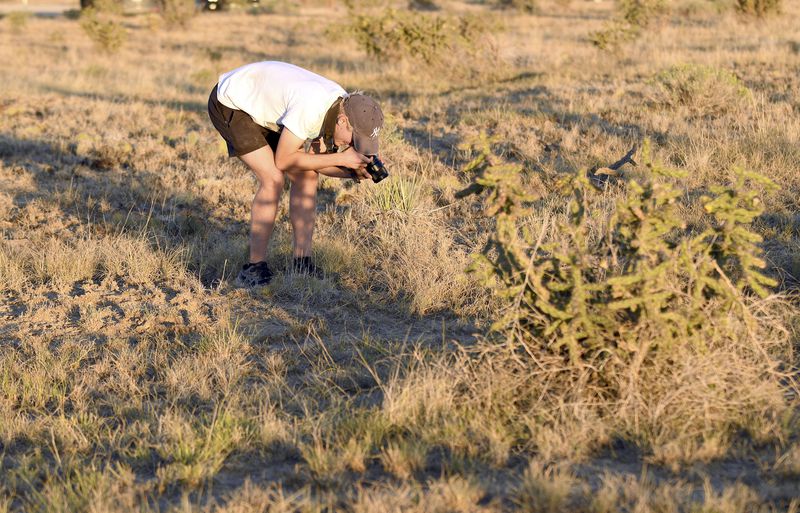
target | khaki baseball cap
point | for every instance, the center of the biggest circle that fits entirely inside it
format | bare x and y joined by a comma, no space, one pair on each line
366,119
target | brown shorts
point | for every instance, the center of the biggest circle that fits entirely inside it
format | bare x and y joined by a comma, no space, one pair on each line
240,132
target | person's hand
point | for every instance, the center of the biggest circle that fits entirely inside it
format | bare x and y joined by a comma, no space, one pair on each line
357,162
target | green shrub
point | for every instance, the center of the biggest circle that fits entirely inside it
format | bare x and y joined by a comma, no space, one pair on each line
106,6
398,34
632,17
177,13
459,44
641,13
627,311
423,5
397,194
72,14
105,33
758,7
701,8
703,90
18,20
527,6
614,35
585,299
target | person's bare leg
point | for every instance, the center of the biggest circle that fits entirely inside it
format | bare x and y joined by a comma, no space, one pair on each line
265,203
303,209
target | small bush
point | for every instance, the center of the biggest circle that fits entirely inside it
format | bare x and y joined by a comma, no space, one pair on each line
114,7
18,20
703,90
614,35
177,13
633,16
641,13
758,7
105,33
625,311
701,8
458,44
578,298
396,34
423,5
527,6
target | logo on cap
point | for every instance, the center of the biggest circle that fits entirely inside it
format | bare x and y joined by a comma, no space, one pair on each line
374,133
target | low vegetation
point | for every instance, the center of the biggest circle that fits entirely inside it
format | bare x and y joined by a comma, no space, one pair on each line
759,7
636,17
701,90
633,17
526,6
177,13
463,45
105,32
613,308
18,20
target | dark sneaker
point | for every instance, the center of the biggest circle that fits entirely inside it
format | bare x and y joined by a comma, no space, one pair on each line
304,265
253,275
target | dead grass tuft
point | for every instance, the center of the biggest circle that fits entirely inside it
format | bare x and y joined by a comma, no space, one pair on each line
544,489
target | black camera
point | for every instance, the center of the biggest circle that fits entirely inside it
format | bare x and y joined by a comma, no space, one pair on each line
377,170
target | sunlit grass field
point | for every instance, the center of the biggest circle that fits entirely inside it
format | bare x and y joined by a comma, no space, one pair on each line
135,377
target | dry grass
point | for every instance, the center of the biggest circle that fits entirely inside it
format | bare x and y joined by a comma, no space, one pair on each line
133,377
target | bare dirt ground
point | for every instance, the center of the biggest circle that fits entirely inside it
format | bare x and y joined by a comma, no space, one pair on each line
38,7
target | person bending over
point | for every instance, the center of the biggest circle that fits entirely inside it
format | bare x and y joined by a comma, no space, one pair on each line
284,121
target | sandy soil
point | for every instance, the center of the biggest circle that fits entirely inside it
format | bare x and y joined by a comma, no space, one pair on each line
45,8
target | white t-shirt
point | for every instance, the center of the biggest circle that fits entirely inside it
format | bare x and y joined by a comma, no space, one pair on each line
276,93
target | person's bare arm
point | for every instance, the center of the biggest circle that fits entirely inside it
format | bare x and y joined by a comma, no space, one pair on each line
289,156
318,146
338,172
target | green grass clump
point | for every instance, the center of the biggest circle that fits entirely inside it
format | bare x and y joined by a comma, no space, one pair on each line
397,194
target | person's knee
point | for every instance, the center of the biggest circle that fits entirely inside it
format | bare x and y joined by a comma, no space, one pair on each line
261,162
304,179
269,177
270,180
